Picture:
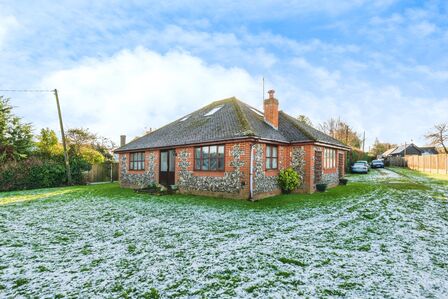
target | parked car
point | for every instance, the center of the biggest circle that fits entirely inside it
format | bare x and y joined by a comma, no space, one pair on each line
360,167
377,164
365,162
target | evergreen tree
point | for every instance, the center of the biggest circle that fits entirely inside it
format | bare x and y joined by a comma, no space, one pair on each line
16,138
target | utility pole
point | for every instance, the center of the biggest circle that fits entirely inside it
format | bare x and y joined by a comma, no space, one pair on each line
67,163
346,134
363,141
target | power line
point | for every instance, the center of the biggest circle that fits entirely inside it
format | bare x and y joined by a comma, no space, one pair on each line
26,90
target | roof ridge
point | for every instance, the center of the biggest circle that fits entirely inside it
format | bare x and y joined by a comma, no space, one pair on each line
248,130
216,103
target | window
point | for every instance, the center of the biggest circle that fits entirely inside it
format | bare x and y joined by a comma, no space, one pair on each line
211,112
257,111
185,118
137,161
209,157
329,158
164,161
271,157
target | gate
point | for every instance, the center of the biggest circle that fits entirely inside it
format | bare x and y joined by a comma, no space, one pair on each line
104,172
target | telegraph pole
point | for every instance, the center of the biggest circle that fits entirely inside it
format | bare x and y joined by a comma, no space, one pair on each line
346,134
363,141
67,163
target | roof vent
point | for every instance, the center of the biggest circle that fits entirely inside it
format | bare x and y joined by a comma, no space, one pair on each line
214,110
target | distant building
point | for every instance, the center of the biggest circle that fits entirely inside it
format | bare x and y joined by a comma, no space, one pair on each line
409,149
429,150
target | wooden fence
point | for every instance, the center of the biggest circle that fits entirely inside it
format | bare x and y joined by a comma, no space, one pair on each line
427,163
105,172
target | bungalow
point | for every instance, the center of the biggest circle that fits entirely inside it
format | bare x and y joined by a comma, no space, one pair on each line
231,149
406,150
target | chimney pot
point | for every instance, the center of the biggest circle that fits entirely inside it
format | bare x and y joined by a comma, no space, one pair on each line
271,110
122,140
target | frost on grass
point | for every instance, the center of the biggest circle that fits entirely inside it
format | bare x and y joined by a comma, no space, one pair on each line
375,175
390,242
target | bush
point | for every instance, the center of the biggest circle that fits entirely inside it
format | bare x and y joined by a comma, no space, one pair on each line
288,180
31,173
78,165
40,172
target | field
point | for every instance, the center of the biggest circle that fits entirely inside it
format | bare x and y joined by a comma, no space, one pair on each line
383,235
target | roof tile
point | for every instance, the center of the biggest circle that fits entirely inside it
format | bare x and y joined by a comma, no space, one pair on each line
234,120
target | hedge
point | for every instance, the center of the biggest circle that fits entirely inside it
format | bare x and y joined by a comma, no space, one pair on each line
37,172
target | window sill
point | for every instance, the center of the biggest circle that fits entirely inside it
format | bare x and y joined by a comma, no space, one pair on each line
217,173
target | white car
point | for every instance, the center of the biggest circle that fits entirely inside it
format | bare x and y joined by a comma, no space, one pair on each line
365,162
360,167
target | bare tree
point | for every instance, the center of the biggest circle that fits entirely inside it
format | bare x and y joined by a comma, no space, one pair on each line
341,131
439,136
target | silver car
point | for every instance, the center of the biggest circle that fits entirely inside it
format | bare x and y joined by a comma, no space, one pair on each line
365,162
360,167
377,164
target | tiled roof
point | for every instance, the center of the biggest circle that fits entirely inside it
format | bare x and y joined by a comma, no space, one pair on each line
234,120
400,149
389,151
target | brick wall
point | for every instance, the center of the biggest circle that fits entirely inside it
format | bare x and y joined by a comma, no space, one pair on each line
234,181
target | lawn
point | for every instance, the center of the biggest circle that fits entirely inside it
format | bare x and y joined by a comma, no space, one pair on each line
383,235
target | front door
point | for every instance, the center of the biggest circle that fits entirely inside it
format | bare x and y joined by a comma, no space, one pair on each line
167,167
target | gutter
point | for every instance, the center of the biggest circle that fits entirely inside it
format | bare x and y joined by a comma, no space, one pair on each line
248,138
333,146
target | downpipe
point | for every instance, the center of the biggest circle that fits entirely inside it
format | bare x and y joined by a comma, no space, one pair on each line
251,172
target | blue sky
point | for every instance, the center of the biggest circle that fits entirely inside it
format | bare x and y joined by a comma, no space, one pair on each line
122,67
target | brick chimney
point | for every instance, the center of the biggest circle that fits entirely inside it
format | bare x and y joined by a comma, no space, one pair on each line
271,110
122,140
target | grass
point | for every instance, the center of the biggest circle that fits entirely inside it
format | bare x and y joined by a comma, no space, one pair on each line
382,235
439,178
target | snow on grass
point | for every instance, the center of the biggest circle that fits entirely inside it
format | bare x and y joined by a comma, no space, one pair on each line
100,241
375,175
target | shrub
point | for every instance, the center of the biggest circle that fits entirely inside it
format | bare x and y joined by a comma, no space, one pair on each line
288,180
31,173
78,165
40,172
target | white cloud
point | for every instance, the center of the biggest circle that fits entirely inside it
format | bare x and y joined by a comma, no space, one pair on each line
423,29
7,24
135,90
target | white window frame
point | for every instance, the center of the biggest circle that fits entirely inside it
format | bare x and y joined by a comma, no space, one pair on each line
329,158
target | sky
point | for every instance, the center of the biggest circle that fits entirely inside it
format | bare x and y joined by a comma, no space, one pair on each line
123,67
